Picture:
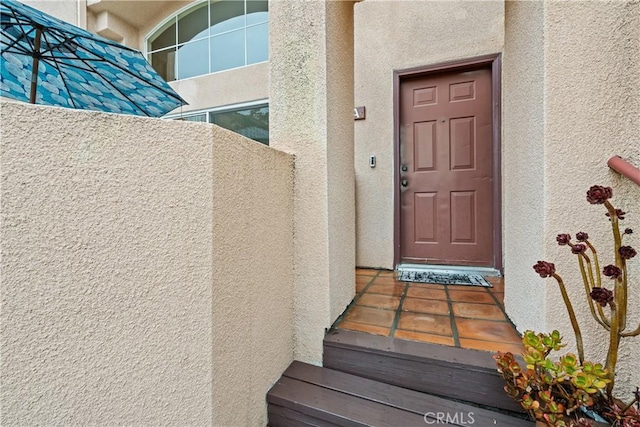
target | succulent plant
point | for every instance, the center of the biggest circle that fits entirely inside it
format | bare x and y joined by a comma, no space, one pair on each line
561,392
551,391
614,322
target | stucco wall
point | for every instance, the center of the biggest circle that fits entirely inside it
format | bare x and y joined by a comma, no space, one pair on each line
523,152
590,111
146,271
73,11
253,303
312,119
394,35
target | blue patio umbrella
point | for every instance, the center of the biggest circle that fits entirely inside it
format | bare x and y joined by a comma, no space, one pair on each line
48,61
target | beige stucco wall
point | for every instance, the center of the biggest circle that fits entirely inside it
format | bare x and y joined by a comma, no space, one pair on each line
523,151
395,35
312,102
73,11
253,302
146,271
589,111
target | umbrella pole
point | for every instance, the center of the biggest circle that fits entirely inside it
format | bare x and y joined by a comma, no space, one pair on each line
36,64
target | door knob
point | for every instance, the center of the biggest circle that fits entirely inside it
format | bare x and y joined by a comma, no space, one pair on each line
404,183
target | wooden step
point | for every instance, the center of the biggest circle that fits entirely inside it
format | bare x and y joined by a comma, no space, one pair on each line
449,372
317,396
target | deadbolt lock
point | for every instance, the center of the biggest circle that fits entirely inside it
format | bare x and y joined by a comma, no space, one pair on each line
404,168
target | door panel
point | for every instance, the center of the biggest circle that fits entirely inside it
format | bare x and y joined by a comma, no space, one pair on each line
446,213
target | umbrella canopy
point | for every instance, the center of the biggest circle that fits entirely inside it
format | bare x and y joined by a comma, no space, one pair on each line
49,61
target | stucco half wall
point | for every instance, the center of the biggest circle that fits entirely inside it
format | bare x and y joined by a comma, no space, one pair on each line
146,271
397,35
572,100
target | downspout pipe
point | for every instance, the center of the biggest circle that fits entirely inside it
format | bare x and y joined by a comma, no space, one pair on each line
624,168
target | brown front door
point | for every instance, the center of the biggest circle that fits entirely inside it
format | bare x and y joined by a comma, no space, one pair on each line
446,181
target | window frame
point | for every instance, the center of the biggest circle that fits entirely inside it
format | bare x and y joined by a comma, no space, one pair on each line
173,20
221,109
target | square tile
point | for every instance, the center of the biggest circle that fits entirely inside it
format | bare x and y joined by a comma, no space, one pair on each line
427,292
395,290
499,296
380,301
469,288
387,273
471,296
418,336
363,327
487,330
387,280
427,323
492,346
478,311
371,316
497,282
362,282
366,271
419,305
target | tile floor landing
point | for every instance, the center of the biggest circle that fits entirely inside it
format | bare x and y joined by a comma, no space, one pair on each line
470,317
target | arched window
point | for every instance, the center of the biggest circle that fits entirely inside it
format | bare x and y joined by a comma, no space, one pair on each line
210,36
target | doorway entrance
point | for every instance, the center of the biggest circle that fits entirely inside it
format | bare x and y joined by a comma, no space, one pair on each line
447,163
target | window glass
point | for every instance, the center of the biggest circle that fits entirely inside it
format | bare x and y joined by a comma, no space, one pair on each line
227,50
226,15
193,24
164,63
258,43
165,38
211,36
201,118
257,11
190,60
252,122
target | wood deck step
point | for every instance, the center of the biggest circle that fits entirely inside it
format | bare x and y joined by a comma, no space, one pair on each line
449,372
317,396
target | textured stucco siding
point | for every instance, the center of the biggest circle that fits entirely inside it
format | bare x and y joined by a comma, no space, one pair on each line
396,35
312,119
73,11
590,112
523,162
146,271
253,277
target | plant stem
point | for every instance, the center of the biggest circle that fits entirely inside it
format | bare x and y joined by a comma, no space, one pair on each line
588,285
595,260
572,317
599,281
614,343
620,290
631,333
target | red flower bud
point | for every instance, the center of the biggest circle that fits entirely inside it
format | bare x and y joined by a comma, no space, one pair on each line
578,249
628,231
602,296
563,239
598,194
581,236
544,268
612,271
627,252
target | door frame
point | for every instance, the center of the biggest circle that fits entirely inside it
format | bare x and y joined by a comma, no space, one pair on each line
494,62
